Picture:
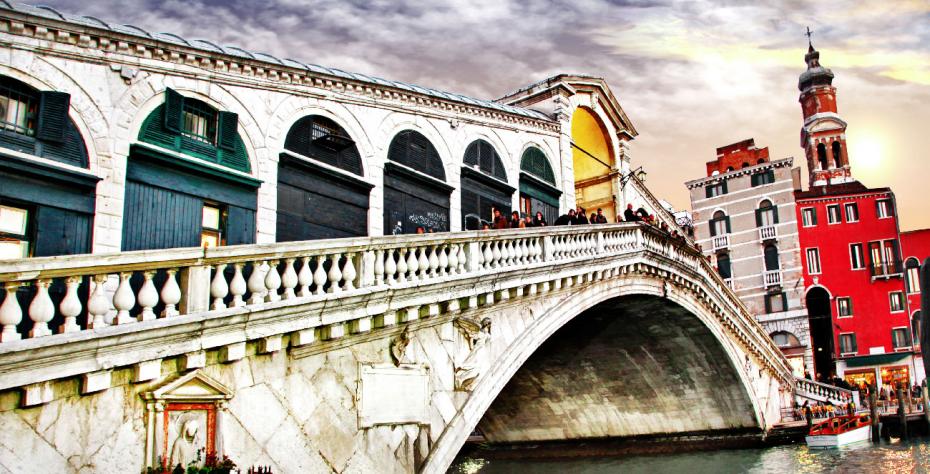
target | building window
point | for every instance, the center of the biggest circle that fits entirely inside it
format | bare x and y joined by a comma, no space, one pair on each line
848,343
198,122
785,339
17,109
213,221
813,261
771,257
843,306
884,258
719,224
723,266
718,189
766,214
852,212
776,303
915,327
896,299
912,275
822,156
766,177
14,225
809,217
855,257
883,208
900,339
833,214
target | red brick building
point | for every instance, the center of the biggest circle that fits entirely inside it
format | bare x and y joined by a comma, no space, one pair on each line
855,276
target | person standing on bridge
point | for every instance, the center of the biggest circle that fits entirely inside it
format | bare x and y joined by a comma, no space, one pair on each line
500,222
629,215
580,218
539,220
599,218
566,219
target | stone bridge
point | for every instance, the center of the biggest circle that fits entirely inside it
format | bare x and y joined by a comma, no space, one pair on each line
377,354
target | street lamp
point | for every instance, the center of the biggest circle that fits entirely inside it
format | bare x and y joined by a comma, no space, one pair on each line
639,173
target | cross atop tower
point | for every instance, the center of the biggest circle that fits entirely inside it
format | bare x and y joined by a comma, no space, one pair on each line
808,34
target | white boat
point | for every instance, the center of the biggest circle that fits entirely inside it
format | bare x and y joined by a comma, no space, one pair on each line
840,431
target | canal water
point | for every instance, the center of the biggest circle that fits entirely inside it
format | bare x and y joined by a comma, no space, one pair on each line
886,457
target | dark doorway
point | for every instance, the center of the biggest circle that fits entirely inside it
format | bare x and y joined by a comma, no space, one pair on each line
821,327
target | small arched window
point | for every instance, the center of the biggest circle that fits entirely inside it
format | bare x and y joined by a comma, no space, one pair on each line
837,154
729,168
745,164
785,339
723,266
482,155
771,257
322,139
719,224
413,150
822,156
534,162
761,161
912,275
766,214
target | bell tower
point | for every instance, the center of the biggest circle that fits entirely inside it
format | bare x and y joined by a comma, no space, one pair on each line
823,135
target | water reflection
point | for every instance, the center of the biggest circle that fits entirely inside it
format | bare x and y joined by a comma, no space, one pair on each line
893,457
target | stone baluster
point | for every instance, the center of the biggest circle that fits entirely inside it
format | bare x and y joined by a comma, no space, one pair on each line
70,306
444,252
237,286
349,273
423,262
463,259
524,252
507,253
170,294
379,267
148,296
41,310
99,305
10,313
496,255
319,275
124,300
289,280
218,287
304,278
335,274
413,264
390,267
537,250
272,282
484,255
434,250
402,265
257,283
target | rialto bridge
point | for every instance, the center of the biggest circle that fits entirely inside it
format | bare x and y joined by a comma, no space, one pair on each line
377,354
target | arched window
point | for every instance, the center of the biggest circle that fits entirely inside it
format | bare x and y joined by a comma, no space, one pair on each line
912,275
822,156
766,214
760,161
723,266
771,257
484,185
785,339
837,154
537,186
413,150
415,193
745,164
481,155
729,168
324,140
719,224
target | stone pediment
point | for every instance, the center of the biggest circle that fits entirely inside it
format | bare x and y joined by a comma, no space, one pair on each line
193,386
826,124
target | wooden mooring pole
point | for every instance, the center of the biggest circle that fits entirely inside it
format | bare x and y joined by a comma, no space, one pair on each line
926,399
902,413
873,410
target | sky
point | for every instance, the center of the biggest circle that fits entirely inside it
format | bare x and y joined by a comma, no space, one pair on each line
691,75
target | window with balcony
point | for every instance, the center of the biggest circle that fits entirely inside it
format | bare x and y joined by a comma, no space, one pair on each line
813,261
809,217
771,257
766,214
776,303
848,344
14,230
912,275
833,214
844,306
900,339
883,208
884,260
856,259
896,300
723,266
852,212
719,224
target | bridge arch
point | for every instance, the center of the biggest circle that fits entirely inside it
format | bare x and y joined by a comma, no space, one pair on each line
507,361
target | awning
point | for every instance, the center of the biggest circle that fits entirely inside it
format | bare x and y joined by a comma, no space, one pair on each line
876,359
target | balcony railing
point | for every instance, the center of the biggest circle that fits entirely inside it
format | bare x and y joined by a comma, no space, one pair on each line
772,277
886,269
728,282
767,233
721,242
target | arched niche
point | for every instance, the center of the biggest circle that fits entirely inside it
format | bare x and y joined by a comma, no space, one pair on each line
484,185
538,192
416,195
593,162
321,193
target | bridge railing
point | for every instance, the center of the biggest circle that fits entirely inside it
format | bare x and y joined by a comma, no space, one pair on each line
823,392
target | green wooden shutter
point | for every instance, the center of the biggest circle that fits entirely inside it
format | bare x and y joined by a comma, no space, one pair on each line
53,116
758,217
814,215
228,126
174,109
771,175
707,191
724,184
727,220
713,231
775,214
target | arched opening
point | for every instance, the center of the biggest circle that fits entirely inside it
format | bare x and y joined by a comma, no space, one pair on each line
822,156
793,350
766,214
820,317
177,192
320,191
538,192
719,224
44,211
593,161
416,195
912,275
730,168
484,185
837,154
760,161
745,164
771,257
651,366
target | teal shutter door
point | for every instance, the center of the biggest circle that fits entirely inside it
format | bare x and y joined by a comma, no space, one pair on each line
174,108
728,224
53,116
227,131
758,217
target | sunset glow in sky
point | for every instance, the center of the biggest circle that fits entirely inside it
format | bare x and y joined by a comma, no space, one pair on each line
692,76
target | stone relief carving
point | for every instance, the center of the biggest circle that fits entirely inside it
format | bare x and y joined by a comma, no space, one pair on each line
476,336
399,347
183,421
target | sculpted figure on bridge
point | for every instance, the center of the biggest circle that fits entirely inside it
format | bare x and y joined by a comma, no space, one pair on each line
399,347
477,336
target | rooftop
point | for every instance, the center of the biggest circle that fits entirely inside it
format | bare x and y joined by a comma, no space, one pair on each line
828,190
